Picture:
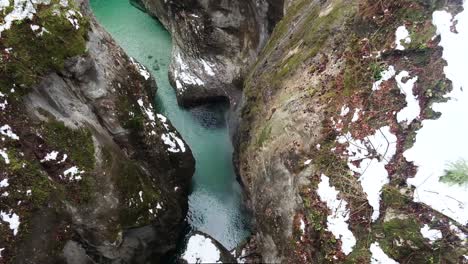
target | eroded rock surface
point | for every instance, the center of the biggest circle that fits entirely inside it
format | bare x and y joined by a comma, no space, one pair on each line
328,142
89,172
214,44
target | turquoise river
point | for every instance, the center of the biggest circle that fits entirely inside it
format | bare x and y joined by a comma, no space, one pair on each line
215,205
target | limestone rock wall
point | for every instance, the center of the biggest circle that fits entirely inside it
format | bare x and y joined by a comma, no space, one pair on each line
332,114
90,173
214,44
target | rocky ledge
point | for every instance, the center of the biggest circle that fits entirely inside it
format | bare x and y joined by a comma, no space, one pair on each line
89,173
214,43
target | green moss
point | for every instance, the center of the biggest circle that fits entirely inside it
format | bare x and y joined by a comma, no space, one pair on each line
32,56
404,242
264,135
27,174
456,173
393,198
130,181
76,143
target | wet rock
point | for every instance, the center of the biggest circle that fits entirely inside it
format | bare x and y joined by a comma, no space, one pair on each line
214,44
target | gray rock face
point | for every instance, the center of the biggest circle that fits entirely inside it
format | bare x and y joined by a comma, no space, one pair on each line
214,43
125,199
310,97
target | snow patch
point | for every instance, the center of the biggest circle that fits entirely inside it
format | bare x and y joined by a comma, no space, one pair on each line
4,155
431,234
208,68
141,69
401,34
336,222
356,115
12,219
344,110
201,249
379,256
4,183
22,9
73,174
6,131
50,156
72,18
386,75
443,141
458,233
412,109
373,175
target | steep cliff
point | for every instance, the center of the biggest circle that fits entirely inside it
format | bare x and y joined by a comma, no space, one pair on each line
89,172
214,43
351,145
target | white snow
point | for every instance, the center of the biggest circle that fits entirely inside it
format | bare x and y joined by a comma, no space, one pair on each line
344,110
412,109
5,102
208,68
163,119
22,9
401,34
458,233
175,144
379,256
3,4
307,162
4,183
431,234
12,219
1,249
302,227
6,131
50,156
386,75
356,115
35,27
443,141
28,192
140,193
71,17
4,155
65,156
184,76
336,222
201,250
141,69
373,175
170,139
73,173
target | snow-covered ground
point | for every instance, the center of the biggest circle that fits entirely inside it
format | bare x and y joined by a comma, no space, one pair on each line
337,220
379,256
444,141
201,249
372,171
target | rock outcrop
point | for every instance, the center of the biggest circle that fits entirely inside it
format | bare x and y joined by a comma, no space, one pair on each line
214,44
89,172
328,147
